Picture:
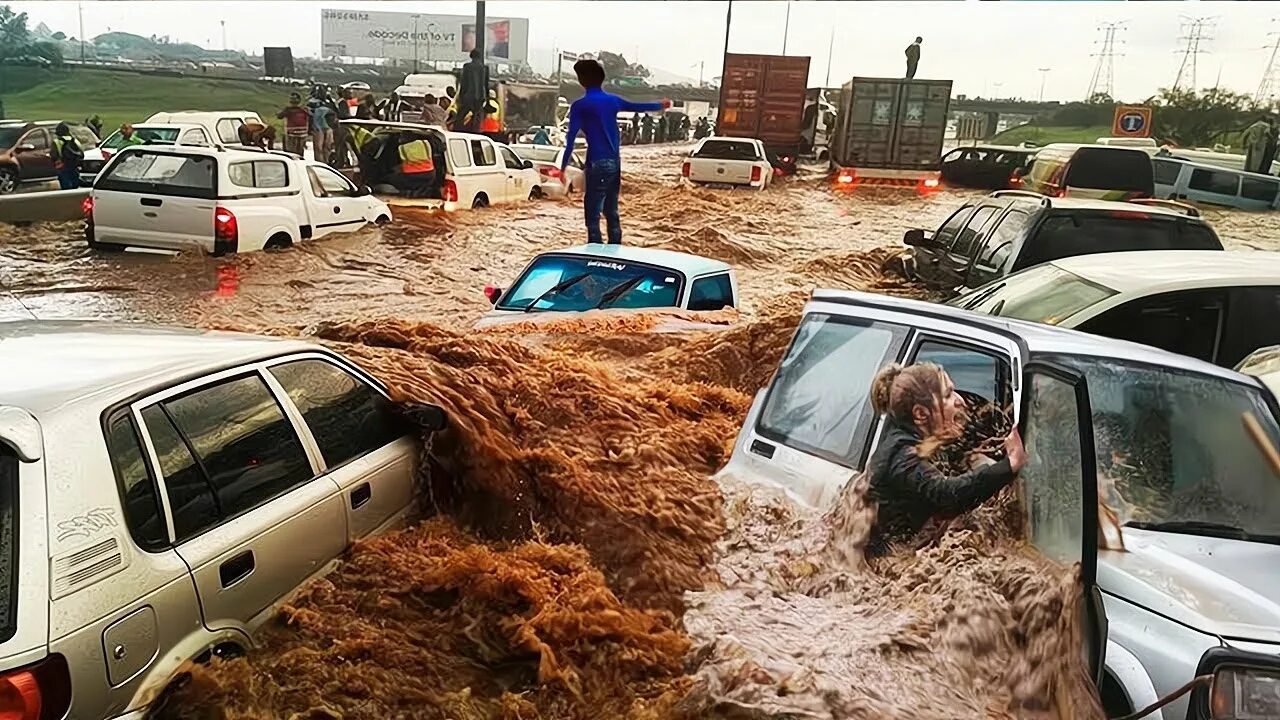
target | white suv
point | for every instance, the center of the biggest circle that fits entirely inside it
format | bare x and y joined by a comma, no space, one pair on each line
222,200
162,490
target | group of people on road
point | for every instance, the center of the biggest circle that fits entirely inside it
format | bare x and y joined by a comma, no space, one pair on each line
645,129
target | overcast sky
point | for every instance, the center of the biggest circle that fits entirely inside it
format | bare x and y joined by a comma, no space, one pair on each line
987,48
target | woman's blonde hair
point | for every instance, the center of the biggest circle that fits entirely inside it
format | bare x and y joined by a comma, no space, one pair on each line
897,389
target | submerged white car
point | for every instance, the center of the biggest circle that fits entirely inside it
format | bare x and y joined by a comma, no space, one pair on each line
546,160
728,161
612,277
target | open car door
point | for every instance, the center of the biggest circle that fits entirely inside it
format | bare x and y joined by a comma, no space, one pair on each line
1060,487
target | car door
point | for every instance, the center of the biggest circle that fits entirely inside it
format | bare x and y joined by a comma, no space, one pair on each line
487,175
927,256
32,152
366,449
517,186
711,292
1250,324
991,261
953,264
1188,322
333,204
244,498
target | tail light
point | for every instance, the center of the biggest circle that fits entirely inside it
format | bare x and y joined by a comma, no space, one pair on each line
847,177
755,173
492,293
86,207
450,191
686,168
927,185
549,172
36,692
1015,180
226,231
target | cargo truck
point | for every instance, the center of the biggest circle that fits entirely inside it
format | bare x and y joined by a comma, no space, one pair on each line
762,97
889,131
525,105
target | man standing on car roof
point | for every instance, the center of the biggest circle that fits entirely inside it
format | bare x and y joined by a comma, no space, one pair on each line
596,115
297,122
1255,144
913,57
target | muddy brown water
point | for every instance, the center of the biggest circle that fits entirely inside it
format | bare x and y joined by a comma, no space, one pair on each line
578,560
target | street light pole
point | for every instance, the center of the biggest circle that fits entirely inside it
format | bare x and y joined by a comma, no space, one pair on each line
224,35
830,47
80,11
415,43
1044,73
786,28
724,64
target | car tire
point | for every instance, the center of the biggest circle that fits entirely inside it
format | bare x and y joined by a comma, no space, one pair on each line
382,220
8,180
481,201
279,241
105,247
535,193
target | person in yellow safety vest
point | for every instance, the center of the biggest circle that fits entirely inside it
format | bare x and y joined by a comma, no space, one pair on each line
492,122
417,169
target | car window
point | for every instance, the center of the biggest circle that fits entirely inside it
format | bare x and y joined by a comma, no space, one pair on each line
1214,181
1251,323
1001,239
1068,235
1051,477
1165,172
577,160
711,293
346,417
229,129
1187,322
510,160
628,285
1259,189
728,150
968,237
161,174
973,372
1110,169
1045,294
195,136
37,138
951,226
246,446
954,155
460,152
820,394
8,541
482,153
331,183
538,153
84,136
259,174
1172,447
192,503
138,496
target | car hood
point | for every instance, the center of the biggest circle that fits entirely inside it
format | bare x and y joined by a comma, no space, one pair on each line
93,155
1214,585
608,320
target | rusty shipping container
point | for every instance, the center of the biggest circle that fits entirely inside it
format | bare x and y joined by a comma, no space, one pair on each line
891,127
762,96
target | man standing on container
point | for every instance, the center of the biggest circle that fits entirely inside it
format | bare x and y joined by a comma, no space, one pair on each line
913,57
596,115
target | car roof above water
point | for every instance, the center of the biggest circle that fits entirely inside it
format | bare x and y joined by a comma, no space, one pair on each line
49,364
1150,270
690,265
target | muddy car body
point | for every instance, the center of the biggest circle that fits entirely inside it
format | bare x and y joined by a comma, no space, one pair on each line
611,278
164,490
1214,306
1189,596
1012,229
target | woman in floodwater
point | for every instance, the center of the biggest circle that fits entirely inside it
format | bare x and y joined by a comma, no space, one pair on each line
921,403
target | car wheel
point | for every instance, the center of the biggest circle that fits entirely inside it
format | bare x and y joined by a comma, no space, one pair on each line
279,241
105,247
8,181
481,201
535,193
382,220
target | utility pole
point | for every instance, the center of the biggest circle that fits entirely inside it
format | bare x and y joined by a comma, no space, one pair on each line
415,43
1196,34
80,10
1044,73
1103,80
786,28
724,64
1271,76
831,46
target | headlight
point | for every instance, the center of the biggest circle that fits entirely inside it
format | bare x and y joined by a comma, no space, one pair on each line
1241,693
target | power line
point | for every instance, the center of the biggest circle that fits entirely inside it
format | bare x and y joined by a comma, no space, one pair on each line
1103,80
1270,76
1196,29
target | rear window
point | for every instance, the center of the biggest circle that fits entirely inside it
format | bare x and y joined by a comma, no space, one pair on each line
159,136
1258,189
1110,169
1068,235
8,541
728,150
1165,172
161,174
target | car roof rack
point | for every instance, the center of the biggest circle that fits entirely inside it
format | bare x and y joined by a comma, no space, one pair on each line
1044,199
1185,209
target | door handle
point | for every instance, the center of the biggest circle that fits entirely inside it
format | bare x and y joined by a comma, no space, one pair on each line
361,495
236,569
151,202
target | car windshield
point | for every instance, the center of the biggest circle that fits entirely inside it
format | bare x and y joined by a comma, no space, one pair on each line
1064,235
727,150
150,135
538,154
649,287
10,135
1174,452
1045,294
8,539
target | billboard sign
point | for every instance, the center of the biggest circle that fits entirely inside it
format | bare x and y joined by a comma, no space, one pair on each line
399,35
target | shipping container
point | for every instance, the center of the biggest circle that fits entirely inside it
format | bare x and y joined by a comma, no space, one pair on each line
762,96
525,105
891,128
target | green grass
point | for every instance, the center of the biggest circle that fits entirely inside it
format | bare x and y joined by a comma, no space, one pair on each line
117,97
1042,135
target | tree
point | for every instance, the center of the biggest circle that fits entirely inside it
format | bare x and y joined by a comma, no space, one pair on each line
16,41
616,66
1189,119
59,35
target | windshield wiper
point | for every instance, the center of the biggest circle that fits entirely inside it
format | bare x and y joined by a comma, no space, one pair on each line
558,287
1198,527
616,291
977,300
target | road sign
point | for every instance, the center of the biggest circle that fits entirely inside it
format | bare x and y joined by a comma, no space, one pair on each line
1132,121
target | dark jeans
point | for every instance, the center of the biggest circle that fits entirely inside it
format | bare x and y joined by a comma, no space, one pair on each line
68,178
911,69
603,181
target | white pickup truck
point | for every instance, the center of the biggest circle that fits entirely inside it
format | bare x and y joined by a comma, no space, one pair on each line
729,161
221,200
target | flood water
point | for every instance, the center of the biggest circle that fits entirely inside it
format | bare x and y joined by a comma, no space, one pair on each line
579,560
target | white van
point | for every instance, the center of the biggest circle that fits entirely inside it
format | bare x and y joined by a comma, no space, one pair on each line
472,170
222,125
1133,142
1206,184
221,200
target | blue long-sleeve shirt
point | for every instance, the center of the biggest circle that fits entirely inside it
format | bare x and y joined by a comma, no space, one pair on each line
595,114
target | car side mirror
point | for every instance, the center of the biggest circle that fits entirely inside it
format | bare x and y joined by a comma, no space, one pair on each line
493,293
528,165
426,416
914,237
364,191
25,147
